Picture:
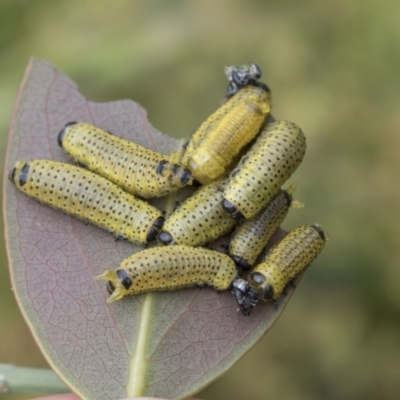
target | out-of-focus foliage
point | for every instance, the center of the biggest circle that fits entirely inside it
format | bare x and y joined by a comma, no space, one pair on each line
333,69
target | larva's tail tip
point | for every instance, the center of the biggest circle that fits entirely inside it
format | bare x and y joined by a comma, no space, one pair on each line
289,196
110,299
117,294
106,275
292,188
297,204
99,277
321,232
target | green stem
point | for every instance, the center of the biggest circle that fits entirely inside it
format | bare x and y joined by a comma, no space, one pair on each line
30,380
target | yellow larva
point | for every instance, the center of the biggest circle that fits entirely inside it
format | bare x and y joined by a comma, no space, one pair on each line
140,171
199,219
89,197
273,158
286,260
220,138
169,268
252,236
211,123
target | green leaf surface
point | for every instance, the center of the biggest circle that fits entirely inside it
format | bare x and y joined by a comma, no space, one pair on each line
160,344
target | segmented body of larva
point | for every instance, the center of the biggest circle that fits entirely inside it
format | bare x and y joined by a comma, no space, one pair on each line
249,238
273,158
287,259
220,138
199,219
140,171
89,197
169,268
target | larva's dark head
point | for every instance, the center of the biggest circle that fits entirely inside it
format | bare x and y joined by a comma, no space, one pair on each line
62,133
259,282
241,262
110,287
182,174
19,174
231,209
155,228
288,193
161,167
321,233
246,296
185,176
118,284
263,86
11,175
178,174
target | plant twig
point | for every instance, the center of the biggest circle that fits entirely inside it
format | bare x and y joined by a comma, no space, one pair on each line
30,380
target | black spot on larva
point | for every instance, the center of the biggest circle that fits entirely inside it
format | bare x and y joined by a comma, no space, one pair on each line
235,172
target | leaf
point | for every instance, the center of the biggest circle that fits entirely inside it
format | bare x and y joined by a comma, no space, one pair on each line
160,344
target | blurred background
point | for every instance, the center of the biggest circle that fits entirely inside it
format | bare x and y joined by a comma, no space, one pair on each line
333,68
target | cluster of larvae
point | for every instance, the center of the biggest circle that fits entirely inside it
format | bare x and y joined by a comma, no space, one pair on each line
240,161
